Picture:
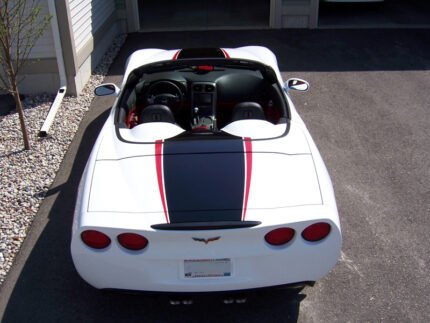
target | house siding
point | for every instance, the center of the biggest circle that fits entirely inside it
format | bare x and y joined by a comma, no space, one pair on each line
40,74
44,47
87,17
94,24
294,13
86,29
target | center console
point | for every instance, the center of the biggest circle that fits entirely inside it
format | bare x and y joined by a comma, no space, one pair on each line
203,106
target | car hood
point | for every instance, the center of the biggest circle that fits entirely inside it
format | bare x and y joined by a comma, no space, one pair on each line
205,180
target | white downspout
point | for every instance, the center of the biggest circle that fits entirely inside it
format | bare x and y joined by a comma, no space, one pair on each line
61,71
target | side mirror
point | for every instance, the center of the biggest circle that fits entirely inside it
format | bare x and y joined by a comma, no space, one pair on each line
296,84
107,89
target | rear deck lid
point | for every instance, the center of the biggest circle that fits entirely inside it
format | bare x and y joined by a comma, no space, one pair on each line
204,180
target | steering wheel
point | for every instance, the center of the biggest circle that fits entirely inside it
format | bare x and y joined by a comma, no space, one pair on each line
164,92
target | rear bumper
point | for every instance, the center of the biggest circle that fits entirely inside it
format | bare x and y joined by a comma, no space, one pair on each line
292,287
161,269
353,1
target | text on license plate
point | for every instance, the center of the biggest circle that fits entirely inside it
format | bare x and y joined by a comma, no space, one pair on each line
200,268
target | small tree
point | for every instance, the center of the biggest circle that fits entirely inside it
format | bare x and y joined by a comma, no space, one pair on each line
20,27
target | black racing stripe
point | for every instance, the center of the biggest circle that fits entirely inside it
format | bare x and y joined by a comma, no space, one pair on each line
204,180
200,53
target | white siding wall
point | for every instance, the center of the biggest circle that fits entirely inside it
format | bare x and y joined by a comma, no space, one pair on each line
87,16
299,14
44,47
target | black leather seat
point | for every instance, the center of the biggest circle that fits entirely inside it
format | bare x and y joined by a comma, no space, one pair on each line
248,110
157,113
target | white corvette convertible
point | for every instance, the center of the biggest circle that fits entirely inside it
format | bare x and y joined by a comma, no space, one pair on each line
204,178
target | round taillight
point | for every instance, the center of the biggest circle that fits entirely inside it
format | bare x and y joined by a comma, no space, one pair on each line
95,239
280,236
132,241
316,232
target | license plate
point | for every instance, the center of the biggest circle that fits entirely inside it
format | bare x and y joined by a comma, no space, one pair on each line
204,268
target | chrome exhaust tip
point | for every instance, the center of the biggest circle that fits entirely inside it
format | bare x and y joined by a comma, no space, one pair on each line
241,300
179,301
235,298
188,301
174,301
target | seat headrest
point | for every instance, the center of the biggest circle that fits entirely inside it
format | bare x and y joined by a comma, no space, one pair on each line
157,113
139,94
248,110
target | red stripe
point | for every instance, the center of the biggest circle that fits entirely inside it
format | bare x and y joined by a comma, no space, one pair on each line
225,53
175,57
159,166
248,161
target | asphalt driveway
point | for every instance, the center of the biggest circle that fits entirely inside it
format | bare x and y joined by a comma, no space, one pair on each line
368,111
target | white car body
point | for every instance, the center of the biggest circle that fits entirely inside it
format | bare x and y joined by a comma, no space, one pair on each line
125,188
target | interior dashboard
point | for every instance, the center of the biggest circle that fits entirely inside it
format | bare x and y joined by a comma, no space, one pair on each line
202,98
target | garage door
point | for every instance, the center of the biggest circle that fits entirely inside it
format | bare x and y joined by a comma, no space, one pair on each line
203,14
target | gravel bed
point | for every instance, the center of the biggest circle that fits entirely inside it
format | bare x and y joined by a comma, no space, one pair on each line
25,176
